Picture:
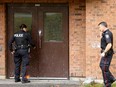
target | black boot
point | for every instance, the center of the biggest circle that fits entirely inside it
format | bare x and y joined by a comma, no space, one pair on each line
26,81
17,80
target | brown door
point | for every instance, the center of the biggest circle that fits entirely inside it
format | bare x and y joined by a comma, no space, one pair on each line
48,25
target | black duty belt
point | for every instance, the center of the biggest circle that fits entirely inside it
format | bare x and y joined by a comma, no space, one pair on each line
109,52
22,47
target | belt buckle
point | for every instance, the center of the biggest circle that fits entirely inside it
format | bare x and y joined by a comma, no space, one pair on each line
21,46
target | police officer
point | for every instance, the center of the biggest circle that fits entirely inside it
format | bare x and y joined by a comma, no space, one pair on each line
22,39
106,54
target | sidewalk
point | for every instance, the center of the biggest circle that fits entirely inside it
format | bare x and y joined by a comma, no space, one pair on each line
40,83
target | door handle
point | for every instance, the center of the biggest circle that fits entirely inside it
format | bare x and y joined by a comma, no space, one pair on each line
40,32
40,38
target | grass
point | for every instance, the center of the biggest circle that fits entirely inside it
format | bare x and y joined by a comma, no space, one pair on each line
96,85
93,85
114,85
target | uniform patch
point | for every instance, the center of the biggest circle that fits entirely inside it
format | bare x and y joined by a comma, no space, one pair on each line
107,36
18,35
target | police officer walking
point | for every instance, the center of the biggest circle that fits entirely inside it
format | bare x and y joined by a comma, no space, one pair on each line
106,54
22,39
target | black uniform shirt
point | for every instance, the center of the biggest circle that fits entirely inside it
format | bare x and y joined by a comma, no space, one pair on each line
107,37
21,38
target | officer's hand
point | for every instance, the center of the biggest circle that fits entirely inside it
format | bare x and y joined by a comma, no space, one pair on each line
103,54
34,47
12,52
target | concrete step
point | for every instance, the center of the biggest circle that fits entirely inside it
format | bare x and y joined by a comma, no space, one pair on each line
40,83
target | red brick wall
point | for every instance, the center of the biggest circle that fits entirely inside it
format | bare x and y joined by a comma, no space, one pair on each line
2,40
77,38
97,11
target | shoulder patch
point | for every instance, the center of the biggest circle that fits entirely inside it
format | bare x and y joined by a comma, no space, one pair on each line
107,36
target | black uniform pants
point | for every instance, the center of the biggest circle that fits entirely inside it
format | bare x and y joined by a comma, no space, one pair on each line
21,57
104,65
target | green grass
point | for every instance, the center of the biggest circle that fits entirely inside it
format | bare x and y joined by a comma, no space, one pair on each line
114,85
97,85
93,85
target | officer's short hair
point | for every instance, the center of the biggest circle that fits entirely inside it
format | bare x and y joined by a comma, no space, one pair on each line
103,24
23,26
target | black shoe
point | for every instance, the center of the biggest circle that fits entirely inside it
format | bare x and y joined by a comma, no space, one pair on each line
26,81
108,85
113,80
18,80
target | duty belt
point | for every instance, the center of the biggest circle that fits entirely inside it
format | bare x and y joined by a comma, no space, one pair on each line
22,47
109,52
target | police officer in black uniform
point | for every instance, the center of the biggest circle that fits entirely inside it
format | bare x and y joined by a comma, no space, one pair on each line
22,39
106,54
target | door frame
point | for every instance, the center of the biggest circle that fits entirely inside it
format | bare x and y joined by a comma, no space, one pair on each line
7,32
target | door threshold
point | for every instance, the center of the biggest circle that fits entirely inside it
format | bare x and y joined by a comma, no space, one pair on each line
49,78
45,78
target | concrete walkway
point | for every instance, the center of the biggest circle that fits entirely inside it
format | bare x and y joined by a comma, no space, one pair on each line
40,83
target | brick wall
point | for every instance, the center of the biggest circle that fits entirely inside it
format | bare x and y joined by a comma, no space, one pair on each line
97,11
2,40
77,38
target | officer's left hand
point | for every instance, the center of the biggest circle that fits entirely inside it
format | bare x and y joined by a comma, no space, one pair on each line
34,47
13,52
103,54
